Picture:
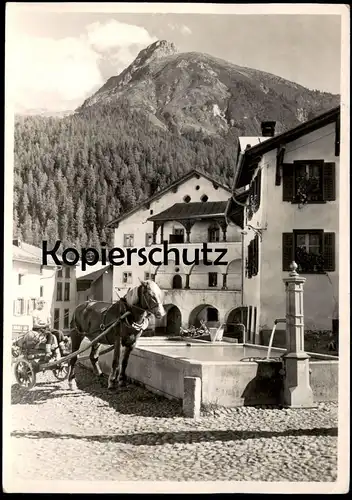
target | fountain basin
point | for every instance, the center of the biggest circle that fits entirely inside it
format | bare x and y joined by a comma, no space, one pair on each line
161,365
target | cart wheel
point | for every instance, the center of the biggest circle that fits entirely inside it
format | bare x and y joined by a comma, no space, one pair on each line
61,372
25,374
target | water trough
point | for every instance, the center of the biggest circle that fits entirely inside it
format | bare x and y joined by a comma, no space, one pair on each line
228,374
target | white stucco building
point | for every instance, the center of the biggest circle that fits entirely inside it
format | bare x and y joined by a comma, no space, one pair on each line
291,186
31,280
188,213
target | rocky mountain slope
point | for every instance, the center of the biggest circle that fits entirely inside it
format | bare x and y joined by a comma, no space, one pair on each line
183,91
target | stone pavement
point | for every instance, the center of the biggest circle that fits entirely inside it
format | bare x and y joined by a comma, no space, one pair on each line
134,435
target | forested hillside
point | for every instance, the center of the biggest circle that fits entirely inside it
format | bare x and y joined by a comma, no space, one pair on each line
74,174
164,115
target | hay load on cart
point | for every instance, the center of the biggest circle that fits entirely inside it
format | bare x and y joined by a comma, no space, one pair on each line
30,357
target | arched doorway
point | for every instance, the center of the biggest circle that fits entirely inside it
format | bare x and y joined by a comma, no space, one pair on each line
177,281
204,312
173,321
236,323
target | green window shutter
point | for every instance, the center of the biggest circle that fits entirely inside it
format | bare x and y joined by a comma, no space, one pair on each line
287,251
329,251
287,182
329,180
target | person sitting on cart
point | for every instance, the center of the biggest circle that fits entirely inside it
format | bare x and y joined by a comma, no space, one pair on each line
41,322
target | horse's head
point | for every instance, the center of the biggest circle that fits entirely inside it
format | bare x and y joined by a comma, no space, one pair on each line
151,298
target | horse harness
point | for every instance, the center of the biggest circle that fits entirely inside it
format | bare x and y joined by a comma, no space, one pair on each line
133,329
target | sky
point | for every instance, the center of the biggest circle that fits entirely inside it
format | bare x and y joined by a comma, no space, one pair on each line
57,59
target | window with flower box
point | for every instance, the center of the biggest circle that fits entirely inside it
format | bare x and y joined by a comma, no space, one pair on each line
254,195
311,181
312,250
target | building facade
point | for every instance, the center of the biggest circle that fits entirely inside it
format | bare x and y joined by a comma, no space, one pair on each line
31,281
189,213
96,285
291,186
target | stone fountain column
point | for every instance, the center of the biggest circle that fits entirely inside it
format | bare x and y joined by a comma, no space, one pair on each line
297,390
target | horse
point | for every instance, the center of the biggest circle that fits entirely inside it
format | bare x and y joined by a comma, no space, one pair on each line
91,317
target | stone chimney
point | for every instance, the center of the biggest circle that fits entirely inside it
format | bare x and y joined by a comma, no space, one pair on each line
268,129
17,243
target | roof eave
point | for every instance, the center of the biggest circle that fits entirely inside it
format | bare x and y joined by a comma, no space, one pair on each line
205,216
289,136
114,223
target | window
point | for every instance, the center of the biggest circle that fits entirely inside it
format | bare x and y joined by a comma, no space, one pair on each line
18,307
187,198
309,182
66,318
212,279
253,257
128,240
67,291
41,269
254,195
197,187
204,198
127,278
313,251
178,236
177,282
20,276
59,292
147,276
41,293
67,272
213,233
59,273
148,239
31,305
57,319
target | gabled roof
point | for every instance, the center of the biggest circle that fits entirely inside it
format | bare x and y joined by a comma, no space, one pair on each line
94,275
186,177
30,253
248,159
191,211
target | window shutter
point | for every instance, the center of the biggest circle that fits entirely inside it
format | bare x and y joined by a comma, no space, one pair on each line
256,254
259,186
329,251
329,176
287,182
287,251
250,259
337,137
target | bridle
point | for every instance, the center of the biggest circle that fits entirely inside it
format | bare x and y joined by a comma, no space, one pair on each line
151,302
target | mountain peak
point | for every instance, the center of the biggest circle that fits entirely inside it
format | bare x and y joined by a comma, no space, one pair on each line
157,50
195,91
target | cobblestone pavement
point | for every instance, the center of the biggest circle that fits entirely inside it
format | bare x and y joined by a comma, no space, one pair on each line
91,433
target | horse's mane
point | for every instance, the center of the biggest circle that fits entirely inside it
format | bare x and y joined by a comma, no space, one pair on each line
132,296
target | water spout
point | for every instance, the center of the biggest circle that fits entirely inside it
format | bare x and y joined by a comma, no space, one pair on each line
279,320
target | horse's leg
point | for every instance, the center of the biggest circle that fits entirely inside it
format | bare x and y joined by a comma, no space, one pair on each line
125,357
115,363
76,340
94,359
